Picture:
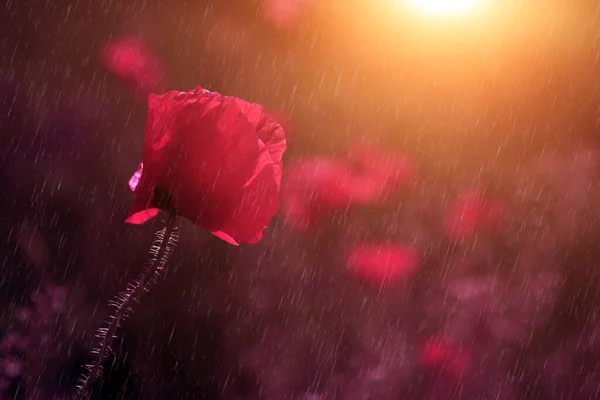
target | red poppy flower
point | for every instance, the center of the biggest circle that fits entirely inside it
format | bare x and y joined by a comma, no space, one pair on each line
472,211
130,60
319,186
217,159
381,264
437,353
281,116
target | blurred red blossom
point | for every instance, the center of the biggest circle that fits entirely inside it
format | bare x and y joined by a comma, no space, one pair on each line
319,186
313,188
131,60
380,172
473,211
437,353
285,13
216,159
381,263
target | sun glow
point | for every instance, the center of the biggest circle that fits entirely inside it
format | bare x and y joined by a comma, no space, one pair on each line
443,7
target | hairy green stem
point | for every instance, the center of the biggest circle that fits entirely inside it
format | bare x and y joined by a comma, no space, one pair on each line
159,253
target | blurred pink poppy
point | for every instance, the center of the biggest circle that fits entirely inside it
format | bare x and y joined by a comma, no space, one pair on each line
471,212
217,160
436,353
131,60
433,352
285,13
379,172
320,186
381,264
313,189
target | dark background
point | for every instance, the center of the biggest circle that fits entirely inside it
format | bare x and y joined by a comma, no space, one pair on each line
509,102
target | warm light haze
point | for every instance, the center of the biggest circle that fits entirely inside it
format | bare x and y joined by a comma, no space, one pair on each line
443,7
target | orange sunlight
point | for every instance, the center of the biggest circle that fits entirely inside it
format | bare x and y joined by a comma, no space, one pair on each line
443,7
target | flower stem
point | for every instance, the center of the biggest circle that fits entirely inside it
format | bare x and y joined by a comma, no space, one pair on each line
160,251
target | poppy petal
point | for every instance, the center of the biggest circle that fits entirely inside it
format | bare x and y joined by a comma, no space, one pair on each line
135,178
142,209
142,216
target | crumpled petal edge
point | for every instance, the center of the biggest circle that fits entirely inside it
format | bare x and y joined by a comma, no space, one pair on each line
141,217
